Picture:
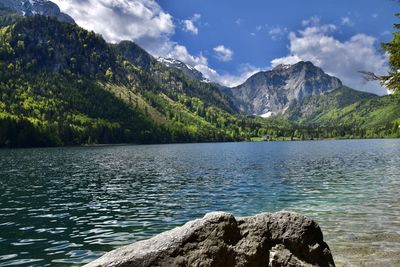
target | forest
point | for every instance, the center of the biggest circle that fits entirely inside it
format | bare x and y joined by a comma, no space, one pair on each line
62,85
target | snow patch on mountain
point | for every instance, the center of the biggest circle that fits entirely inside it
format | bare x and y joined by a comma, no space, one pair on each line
187,69
36,7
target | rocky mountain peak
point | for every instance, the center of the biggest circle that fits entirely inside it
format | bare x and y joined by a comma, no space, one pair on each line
282,67
271,92
299,66
36,7
185,68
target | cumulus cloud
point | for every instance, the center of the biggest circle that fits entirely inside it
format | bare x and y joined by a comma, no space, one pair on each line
116,20
245,71
223,53
200,63
189,24
343,59
181,53
147,24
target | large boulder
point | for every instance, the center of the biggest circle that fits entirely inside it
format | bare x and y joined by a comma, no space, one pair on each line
219,239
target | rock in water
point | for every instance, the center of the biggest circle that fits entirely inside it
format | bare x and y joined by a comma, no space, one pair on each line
219,239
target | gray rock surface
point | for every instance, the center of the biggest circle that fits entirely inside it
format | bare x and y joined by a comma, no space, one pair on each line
185,68
271,92
219,239
36,7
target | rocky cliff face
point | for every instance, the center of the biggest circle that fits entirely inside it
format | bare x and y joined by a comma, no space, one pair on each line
35,7
271,92
220,239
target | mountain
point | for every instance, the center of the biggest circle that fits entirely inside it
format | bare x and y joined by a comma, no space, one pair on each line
310,108
35,7
346,107
271,92
135,54
63,85
185,68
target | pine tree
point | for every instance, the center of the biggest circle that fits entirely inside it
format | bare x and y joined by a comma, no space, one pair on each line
392,80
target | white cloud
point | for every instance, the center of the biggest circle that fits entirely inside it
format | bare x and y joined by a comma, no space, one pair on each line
245,71
116,20
189,24
147,24
277,32
346,21
223,53
343,59
181,53
200,63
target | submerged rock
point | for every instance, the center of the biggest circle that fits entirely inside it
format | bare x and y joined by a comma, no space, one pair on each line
219,239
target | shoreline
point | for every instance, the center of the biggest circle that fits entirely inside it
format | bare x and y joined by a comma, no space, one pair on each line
206,142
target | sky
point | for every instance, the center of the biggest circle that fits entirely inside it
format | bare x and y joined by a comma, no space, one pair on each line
229,40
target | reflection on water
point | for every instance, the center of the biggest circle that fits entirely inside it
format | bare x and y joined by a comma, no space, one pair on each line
69,205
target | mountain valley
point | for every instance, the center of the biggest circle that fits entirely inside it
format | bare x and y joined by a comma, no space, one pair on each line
63,85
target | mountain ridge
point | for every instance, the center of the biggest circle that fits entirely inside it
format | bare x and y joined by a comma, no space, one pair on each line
36,7
63,85
271,92
307,109
185,68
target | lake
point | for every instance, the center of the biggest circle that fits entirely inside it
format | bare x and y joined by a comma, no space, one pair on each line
67,206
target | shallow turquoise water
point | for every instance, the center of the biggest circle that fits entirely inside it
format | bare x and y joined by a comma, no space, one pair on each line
67,206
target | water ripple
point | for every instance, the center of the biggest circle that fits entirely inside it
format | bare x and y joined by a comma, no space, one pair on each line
67,206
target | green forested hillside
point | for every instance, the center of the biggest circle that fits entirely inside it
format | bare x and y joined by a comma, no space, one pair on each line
309,108
358,113
63,85
60,84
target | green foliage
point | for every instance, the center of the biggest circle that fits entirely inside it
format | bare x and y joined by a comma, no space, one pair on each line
8,17
76,110
62,81
348,113
392,80
62,85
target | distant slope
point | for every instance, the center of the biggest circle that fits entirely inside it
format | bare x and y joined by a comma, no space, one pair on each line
371,113
309,108
346,107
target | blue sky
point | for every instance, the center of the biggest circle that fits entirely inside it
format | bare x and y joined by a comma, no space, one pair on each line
232,23
230,40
